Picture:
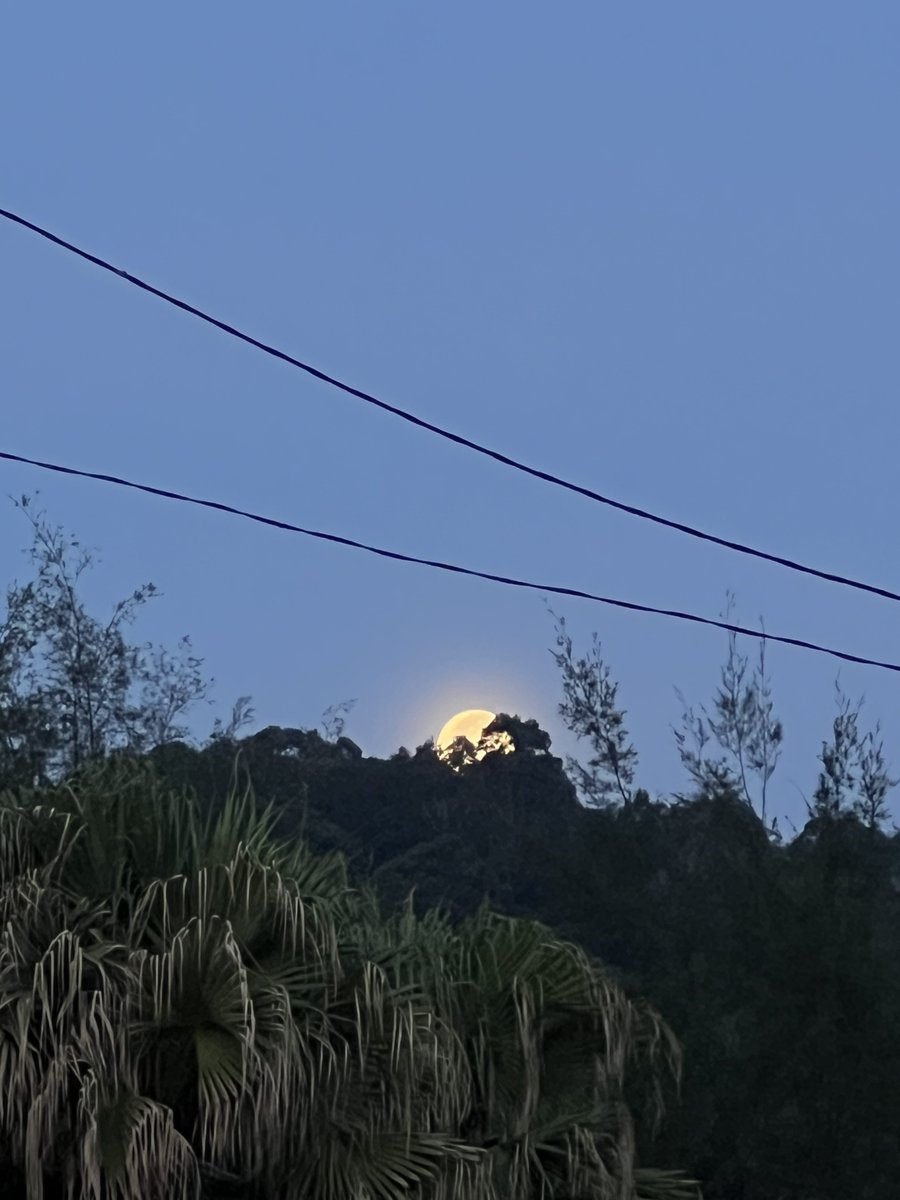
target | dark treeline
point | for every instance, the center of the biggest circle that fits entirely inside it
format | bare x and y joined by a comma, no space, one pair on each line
778,966
775,962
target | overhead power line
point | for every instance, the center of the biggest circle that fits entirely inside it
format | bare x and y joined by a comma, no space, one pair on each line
453,568
458,439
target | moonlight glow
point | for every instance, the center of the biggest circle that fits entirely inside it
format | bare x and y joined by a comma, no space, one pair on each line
470,725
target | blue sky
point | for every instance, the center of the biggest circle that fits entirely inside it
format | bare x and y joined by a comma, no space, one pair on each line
651,247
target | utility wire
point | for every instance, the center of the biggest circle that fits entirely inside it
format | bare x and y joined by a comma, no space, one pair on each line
455,569
457,438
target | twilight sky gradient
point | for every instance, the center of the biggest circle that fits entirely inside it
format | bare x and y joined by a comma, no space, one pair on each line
651,247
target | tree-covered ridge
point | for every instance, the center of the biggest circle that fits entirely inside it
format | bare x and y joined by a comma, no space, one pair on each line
774,962
777,965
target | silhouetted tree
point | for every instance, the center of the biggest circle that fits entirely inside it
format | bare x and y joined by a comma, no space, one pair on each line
526,737
854,776
742,730
242,715
590,710
74,687
334,719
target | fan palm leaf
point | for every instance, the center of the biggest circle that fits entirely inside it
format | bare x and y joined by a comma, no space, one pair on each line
186,1002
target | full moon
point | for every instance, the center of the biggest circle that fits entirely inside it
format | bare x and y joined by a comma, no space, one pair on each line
470,725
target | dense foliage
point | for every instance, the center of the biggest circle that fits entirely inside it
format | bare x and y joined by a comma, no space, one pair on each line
777,965
190,987
191,1007
73,686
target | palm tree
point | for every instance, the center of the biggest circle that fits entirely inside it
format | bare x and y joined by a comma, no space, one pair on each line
189,1007
549,1040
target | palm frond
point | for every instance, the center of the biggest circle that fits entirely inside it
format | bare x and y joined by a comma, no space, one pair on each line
185,999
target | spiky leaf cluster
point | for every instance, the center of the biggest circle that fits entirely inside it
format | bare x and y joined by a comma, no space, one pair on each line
190,1008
